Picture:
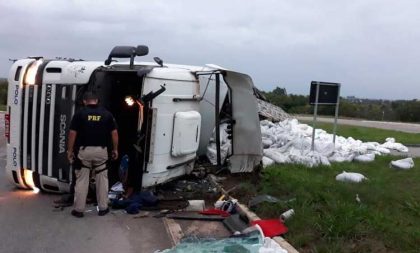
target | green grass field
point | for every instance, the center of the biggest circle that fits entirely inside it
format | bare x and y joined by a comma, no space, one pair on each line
329,219
369,133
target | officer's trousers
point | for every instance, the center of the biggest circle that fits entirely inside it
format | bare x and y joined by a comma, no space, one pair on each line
91,158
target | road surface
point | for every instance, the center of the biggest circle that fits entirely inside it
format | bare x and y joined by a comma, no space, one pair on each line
29,223
396,126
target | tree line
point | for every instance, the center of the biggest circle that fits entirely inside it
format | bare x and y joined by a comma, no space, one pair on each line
3,91
372,109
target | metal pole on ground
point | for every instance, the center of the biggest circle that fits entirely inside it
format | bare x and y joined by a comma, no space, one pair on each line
217,121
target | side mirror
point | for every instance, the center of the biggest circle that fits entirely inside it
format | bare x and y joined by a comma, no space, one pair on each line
158,61
142,50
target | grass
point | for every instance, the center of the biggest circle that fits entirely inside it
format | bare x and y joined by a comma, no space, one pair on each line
369,133
3,107
329,219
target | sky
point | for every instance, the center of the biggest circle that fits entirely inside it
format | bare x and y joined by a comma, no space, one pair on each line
371,47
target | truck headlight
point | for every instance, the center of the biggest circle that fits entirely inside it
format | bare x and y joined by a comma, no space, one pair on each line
31,72
28,177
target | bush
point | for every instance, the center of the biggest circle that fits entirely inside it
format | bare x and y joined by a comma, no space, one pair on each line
3,92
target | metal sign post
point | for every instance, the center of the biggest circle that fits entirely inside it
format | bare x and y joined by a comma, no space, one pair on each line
324,93
315,114
337,105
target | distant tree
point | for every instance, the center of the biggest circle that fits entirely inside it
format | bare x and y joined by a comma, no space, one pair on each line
280,91
409,111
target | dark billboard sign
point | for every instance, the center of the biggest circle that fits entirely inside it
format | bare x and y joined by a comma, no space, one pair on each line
328,93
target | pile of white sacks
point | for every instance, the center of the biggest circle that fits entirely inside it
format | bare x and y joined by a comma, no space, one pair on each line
289,141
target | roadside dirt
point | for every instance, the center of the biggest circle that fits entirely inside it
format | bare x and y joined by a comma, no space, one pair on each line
241,186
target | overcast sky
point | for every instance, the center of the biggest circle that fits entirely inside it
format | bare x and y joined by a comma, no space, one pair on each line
372,47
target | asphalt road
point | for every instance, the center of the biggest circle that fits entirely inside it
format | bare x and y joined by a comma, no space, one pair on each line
29,223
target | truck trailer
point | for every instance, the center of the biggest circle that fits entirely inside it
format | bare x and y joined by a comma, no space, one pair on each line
165,113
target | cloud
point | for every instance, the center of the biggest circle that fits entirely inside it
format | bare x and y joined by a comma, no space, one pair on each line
368,46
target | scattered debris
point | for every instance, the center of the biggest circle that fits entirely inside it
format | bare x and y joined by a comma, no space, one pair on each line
195,205
289,141
116,191
262,198
136,201
404,164
272,227
214,211
358,199
226,205
350,177
286,215
252,242
225,145
190,189
236,223
219,179
194,216
117,187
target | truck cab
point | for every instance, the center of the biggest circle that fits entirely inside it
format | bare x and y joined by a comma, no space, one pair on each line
157,108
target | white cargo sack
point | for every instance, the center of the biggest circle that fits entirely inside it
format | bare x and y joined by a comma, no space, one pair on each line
391,144
276,155
225,145
403,164
365,158
267,161
350,177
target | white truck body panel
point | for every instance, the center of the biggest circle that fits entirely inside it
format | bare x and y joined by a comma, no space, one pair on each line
186,133
179,83
14,98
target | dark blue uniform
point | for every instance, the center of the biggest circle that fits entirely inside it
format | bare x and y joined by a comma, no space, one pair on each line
92,123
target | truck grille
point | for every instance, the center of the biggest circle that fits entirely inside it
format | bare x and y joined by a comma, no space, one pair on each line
46,114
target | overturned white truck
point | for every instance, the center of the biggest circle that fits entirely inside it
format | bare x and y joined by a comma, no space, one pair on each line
164,113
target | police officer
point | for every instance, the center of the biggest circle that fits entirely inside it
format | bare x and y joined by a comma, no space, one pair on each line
94,128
